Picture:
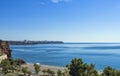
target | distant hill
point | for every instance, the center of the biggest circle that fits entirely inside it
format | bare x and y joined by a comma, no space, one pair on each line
26,42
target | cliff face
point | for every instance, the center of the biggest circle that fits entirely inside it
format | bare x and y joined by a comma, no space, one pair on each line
5,49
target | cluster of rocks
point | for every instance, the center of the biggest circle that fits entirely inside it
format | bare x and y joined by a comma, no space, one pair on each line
5,49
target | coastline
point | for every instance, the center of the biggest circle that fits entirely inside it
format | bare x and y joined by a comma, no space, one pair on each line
53,68
44,67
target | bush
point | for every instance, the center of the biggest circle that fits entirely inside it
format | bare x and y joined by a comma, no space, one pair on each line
59,73
78,68
109,71
20,61
11,66
37,68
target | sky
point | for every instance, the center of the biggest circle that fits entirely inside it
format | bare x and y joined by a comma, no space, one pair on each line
60,20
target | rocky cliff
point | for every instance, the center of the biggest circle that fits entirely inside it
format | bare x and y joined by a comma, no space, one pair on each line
5,49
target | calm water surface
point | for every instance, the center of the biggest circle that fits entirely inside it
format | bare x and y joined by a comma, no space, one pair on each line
61,54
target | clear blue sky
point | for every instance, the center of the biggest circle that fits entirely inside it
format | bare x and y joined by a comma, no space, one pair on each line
64,20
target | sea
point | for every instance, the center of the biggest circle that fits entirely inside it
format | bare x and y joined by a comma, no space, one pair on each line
100,54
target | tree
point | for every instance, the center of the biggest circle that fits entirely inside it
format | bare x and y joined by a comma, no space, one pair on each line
66,72
59,73
29,73
5,64
44,72
109,71
89,70
20,61
50,72
37,68
8,65
25,70
75,67
78,68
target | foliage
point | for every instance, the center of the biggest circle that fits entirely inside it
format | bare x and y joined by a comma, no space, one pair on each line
20,61
59,73
50,72
25,70
37,68
29,73
78,68
10,66
75,68
44,71
11,74
109,71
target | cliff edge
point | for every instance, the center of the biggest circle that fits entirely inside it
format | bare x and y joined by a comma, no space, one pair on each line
5,49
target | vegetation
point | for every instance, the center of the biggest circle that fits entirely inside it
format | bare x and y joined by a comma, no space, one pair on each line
20,61
12,67
9,65
50,72
109,71
26,71
59,73
44,72
78,68
37,68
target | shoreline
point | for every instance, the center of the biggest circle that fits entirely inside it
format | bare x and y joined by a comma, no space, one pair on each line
47,65
53,68
44,67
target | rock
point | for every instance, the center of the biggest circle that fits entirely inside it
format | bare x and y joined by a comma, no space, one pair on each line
5,49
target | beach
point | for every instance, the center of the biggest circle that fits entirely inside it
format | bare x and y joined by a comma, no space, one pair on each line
44,67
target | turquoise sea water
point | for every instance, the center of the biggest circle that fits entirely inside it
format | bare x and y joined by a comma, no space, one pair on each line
61,54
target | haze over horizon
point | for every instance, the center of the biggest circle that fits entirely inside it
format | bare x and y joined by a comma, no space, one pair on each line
60,20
